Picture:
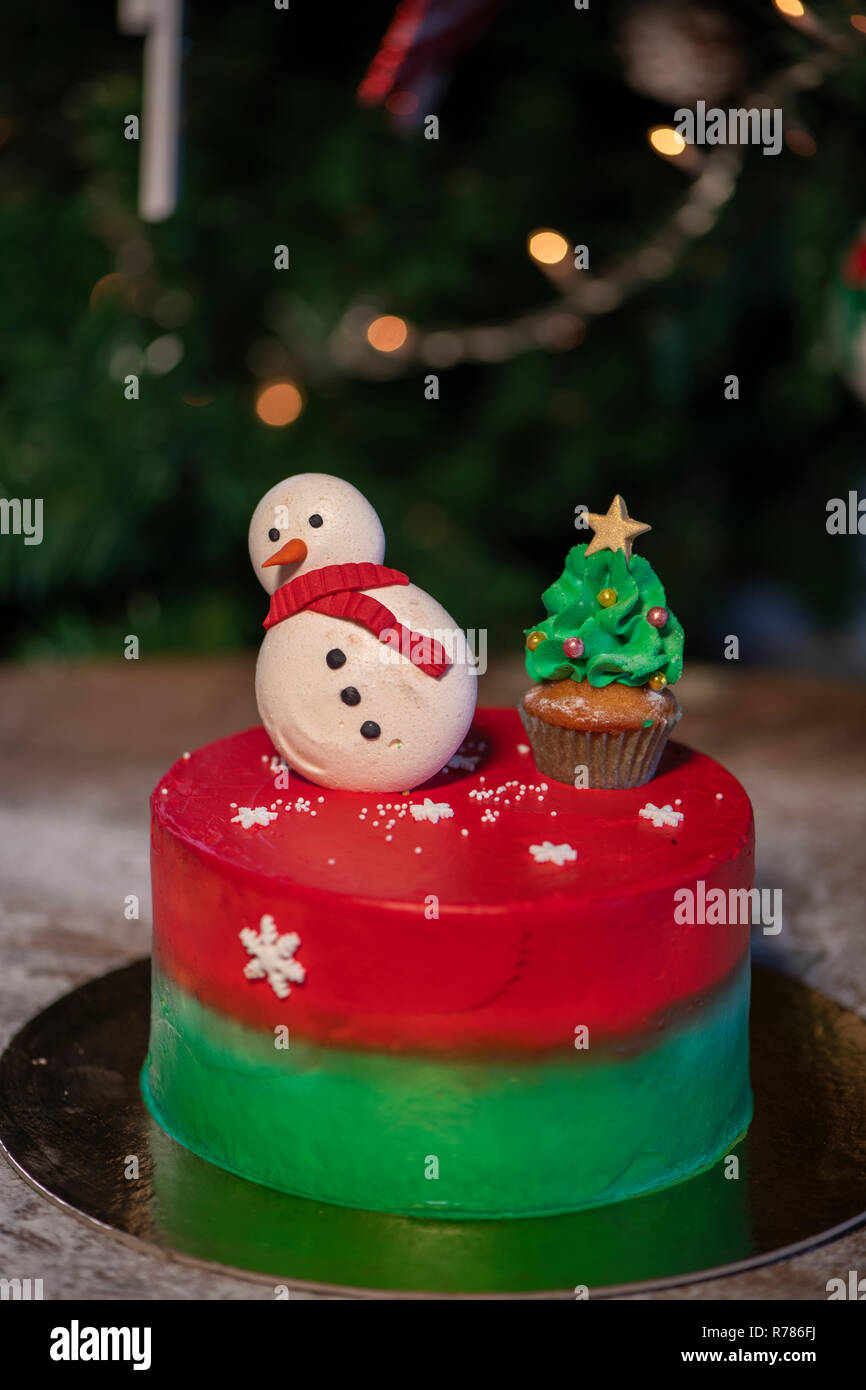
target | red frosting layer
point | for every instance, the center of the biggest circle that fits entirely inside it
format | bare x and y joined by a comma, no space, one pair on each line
520,952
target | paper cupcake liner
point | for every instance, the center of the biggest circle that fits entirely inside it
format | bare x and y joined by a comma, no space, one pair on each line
612,760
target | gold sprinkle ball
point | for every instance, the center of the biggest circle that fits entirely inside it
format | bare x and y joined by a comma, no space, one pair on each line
535,639
658,681
607,597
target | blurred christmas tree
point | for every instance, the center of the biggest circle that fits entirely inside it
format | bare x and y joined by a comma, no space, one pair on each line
542,124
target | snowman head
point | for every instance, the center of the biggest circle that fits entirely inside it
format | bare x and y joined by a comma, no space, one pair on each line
308,521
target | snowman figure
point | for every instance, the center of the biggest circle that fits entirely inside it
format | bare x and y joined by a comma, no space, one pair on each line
363,681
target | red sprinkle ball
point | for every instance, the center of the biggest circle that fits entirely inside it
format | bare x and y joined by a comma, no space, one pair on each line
573,646
657,617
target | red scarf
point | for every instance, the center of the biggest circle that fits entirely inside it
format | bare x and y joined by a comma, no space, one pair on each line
333,589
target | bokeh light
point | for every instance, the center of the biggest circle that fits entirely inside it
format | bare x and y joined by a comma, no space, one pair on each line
792,8
402,103
547,247
280,403
388,333
665,140
800,142
107,286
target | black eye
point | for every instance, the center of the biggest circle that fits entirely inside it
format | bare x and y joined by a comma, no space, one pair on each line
369,729
316,520
336,658
350,696
273,534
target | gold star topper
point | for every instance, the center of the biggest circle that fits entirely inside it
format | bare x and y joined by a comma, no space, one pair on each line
615,529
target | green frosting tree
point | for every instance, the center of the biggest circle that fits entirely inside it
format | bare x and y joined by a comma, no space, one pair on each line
607,616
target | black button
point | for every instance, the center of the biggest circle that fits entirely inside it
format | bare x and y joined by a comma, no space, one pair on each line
350,696
316,520
336,658
273,534
369,729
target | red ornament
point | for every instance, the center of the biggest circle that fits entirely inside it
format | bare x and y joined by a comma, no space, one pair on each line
573,646
657,617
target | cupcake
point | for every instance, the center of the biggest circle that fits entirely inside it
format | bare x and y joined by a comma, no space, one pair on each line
603,661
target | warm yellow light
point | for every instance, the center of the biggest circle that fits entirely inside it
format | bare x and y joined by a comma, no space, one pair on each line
280,403
547,247
792,8
665,140
387,333
859,22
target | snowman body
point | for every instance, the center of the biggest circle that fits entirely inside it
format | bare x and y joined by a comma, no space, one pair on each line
344,708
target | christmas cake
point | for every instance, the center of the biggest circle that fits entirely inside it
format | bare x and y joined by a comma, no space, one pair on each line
464,988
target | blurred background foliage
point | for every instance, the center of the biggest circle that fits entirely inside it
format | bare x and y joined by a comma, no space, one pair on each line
147,502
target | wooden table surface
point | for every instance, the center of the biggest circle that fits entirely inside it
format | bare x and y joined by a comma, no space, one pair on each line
81,746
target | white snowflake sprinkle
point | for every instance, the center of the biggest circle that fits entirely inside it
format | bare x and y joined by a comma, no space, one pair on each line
661,815
548,853
434,811
248,816
463,762
273,957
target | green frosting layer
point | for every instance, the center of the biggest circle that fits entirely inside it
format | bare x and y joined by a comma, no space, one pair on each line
619,643
464,1138
206,1212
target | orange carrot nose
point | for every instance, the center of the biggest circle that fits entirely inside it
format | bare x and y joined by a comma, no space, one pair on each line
293,550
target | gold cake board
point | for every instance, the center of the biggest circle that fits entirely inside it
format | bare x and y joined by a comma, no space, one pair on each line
72,1123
